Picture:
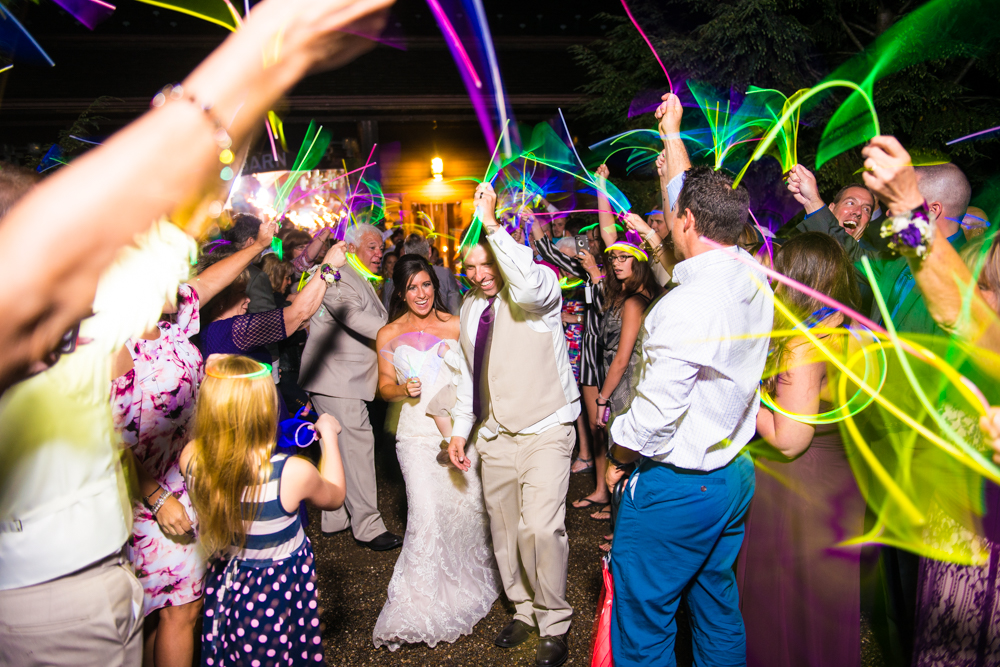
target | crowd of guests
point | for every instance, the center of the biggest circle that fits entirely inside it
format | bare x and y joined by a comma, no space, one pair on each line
162,428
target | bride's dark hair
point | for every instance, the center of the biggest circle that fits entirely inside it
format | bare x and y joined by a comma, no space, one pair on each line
406,267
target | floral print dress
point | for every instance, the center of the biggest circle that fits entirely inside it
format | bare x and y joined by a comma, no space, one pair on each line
153,405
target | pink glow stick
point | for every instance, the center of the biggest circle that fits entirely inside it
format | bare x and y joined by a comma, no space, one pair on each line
456,43
648,43
322,185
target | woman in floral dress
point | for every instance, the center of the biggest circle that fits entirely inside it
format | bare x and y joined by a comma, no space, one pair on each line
156,380
153,404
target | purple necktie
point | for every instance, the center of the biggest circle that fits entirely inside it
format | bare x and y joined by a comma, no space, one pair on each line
482,338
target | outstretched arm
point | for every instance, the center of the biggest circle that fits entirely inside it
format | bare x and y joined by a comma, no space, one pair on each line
218,276
952,298
118,190
669,114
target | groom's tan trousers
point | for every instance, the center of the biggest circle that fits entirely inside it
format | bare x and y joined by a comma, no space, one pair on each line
525,481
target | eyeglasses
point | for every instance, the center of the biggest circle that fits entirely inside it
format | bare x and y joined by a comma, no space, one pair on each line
619,259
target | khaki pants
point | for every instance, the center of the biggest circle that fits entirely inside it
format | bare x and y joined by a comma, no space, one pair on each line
93,617
525,481
357,451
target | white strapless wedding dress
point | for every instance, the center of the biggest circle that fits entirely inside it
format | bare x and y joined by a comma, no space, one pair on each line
446,578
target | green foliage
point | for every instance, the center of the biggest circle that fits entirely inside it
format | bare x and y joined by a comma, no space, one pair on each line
788,45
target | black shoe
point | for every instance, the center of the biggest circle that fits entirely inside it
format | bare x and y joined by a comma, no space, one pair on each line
551,652
384,542
514,634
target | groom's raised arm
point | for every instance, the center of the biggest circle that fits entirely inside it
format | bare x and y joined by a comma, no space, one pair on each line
533,287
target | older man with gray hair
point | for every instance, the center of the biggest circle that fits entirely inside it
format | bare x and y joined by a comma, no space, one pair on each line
451,297
340,372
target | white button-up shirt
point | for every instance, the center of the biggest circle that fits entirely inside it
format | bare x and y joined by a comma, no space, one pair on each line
697,396
535,288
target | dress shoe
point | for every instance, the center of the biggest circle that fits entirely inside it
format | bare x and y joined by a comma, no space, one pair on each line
384,542
551,652
514,634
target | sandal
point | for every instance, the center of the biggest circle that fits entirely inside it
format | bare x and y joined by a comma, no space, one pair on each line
604,514
589,466
584,503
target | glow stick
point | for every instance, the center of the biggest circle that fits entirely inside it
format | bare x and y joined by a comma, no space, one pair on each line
453,41
491,58
649,44
974,134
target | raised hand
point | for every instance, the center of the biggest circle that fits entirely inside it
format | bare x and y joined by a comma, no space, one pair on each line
802,185
889,174
635,222
486,204
661,164
327,421
669,113
265,233
336,256
602,174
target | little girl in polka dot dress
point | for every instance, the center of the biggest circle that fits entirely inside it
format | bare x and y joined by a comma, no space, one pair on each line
261,602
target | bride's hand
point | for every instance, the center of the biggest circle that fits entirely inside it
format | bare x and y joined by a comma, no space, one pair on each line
412,387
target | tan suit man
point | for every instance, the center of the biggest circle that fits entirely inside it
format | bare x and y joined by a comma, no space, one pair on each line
339,370
523,394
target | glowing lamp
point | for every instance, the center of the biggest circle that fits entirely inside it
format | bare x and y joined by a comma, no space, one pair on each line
437,168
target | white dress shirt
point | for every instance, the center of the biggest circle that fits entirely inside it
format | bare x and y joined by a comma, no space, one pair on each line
535,288
697,397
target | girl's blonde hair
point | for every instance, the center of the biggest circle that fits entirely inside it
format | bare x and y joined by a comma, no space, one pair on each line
235,425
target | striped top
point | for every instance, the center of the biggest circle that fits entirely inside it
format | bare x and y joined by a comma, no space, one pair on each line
276,533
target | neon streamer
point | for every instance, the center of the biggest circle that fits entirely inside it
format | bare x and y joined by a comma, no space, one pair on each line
356,264
491,57
649,44
454,43
794,108
220,18
974,134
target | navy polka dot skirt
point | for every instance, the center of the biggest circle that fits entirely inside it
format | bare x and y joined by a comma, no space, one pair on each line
262,615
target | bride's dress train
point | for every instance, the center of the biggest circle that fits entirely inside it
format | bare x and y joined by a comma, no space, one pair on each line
446,579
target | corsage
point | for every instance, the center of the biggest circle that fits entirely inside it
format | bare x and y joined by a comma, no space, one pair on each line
910,234
328,274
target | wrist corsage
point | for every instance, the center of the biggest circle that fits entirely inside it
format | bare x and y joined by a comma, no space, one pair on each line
328,274
910,234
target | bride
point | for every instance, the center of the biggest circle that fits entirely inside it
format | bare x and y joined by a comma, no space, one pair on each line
446,579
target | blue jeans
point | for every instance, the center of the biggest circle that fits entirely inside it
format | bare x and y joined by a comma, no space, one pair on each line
678,534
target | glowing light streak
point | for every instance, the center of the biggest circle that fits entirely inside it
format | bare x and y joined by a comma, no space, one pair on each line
794,107
190,12
454,43
973,135
491,57
356,264
649,44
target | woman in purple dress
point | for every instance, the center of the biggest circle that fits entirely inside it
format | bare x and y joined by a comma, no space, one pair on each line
230,329
799,590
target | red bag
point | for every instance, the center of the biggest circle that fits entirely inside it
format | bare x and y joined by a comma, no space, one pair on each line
600,638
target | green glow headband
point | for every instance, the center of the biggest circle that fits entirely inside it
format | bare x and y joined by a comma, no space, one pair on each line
636,252
265,371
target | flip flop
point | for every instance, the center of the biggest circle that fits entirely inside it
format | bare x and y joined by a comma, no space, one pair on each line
585,503
589,462
606,511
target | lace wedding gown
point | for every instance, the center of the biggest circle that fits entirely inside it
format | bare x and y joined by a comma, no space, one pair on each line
446,578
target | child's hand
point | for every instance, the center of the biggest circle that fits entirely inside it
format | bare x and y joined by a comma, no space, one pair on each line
327,421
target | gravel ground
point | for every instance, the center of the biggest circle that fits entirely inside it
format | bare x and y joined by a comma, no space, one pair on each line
353,583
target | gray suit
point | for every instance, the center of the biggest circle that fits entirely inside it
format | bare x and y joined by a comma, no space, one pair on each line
340,372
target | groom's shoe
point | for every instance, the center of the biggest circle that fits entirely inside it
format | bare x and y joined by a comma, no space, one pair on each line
514,634
552,651
384,542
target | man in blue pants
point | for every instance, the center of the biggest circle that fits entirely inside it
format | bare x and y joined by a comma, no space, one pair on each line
680,523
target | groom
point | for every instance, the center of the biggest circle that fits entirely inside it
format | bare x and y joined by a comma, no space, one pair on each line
513,339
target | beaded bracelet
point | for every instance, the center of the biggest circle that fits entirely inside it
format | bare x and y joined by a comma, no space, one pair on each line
173,92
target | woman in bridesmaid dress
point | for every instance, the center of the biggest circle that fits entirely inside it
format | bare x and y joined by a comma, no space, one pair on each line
799,590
